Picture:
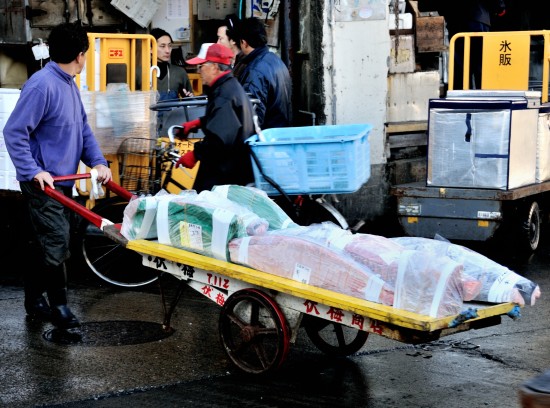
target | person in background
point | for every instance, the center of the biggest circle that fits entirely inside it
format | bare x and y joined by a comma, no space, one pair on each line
173,81
47,135
227,35
227,123
466,17
264,76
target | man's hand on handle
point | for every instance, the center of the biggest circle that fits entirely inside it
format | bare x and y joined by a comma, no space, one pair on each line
104,174
191,126
44,178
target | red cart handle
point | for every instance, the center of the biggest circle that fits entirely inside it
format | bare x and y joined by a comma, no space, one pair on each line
94,218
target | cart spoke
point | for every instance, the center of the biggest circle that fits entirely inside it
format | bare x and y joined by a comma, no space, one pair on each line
262,355
236,320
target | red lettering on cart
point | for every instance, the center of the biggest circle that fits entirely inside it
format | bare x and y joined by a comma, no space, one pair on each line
218,281
220,299
375,327
206,290
160,263
311,307
358,320
335,314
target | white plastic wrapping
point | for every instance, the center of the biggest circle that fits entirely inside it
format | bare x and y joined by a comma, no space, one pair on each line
422,283
498,283
309,262
258,202
118,113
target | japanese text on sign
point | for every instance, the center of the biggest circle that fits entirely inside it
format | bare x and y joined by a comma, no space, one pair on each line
505,53
116,53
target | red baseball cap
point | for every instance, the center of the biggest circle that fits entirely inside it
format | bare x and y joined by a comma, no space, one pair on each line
215,53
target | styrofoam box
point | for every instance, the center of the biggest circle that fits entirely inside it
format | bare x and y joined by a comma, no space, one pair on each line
7,169
8,99
5,162
405,55
8,181
543,148
409,94
404,20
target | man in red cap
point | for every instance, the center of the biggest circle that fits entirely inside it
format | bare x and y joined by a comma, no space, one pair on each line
227,123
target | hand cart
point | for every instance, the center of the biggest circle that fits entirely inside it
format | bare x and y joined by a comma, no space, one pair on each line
261,313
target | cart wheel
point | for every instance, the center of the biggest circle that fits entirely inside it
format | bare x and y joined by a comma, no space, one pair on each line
109,260
254,331
531,227
332,338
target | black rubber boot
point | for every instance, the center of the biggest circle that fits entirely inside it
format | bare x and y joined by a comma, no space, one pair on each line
38,309
63,318
36,305
61,315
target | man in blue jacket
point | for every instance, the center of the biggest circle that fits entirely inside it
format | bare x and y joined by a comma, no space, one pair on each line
47,135
264,76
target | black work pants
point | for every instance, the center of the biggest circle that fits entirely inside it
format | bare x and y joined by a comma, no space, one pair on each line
51,226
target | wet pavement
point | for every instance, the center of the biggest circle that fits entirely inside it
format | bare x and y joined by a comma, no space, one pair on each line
124,358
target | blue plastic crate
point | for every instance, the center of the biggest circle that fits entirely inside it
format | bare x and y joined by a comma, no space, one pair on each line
313,159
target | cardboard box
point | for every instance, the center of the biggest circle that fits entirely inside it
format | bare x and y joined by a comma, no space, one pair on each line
409,95
429,30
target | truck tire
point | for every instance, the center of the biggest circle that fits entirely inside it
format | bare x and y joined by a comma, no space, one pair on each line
531,226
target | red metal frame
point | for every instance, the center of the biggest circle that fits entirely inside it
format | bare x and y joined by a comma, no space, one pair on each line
95,219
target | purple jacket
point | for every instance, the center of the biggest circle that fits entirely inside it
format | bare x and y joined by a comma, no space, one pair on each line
48,129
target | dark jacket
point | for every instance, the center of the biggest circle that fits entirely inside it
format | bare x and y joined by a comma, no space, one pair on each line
265,77
471,15
227,123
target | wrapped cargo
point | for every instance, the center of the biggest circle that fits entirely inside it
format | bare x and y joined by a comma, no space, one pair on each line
140,215
422,283
205,223
311,263
498,283
258,202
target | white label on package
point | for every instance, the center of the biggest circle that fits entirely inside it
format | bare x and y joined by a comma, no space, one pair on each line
501,289
489,215
301,273
191,235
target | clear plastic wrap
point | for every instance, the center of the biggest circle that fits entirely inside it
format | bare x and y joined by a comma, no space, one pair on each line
118,113
498,283
205,223
259,203
422,283
140,215
309,262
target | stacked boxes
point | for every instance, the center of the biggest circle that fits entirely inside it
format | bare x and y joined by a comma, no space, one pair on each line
8,99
